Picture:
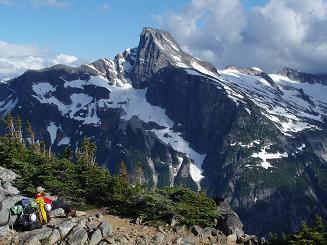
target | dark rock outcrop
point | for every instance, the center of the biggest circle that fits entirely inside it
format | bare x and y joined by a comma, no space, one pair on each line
303,77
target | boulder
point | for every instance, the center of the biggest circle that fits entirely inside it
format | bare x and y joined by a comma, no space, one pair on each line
58,213
248,240
65,227
31,241
92,225
105,228
196,230
231,239
179,229
208,231
96,237
36,236
54,237
9,195
80,213
77,236
229,222
159,238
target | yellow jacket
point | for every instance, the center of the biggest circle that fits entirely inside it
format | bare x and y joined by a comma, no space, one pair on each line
41,209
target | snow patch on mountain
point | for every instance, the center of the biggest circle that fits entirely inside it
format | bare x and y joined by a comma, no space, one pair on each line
64,141
196,173
43,88
97,81
52,130
80,108
134,103
7,105
175,139
265,157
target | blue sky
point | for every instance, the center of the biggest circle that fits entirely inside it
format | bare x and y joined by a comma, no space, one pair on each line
88,29
269,34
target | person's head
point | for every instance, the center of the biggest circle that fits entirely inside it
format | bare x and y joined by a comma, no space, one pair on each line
40,189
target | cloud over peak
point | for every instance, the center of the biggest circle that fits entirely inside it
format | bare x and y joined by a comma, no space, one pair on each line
16,58
277,34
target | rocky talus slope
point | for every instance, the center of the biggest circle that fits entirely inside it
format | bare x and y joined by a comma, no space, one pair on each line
105,229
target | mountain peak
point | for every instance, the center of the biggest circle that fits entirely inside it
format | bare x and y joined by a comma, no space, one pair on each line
158,49
161,38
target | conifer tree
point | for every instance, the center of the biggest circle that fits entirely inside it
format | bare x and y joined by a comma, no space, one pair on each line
87,152
18,131
9,120
30,132
92,151
68,153
139,174
123,172
42,147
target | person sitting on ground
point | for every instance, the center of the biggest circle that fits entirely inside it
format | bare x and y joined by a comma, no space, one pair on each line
54,204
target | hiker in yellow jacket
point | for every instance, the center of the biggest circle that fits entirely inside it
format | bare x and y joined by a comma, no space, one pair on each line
41,209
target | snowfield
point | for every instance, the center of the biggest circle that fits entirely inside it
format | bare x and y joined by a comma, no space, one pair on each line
284,105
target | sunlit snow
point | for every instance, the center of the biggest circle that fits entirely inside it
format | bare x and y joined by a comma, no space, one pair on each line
64,141
52,129
265,157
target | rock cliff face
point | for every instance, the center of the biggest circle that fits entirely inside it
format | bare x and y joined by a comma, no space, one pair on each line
257,139
158,49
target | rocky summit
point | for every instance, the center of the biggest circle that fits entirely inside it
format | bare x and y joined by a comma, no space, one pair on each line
258,140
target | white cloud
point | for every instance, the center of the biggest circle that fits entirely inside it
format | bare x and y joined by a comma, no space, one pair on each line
280,33
16,58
